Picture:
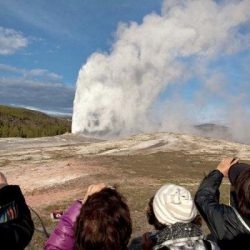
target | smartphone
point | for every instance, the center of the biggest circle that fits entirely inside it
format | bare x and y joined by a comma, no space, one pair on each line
56,215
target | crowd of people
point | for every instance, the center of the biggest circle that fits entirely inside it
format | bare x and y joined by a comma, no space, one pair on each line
101,220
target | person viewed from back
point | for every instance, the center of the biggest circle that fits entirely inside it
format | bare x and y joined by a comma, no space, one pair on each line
100,222
173,214
16,225
229,224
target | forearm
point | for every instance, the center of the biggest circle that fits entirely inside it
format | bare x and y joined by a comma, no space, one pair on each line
208,190
207,202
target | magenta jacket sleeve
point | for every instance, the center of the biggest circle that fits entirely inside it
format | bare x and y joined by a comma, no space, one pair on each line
63,236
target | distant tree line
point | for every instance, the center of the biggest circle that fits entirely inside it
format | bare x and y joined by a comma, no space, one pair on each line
19,122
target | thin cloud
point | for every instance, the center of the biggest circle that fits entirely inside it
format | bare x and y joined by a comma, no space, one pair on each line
11,41
38,89
52,97
42,15
36,74
42,73
9,68
67,112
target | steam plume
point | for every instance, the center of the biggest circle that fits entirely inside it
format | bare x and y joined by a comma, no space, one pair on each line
116,91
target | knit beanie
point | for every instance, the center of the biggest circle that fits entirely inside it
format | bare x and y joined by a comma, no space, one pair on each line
173,204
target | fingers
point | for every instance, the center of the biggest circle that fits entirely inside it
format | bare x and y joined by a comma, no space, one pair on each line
94,188
3,179
234,161
225,164
229,161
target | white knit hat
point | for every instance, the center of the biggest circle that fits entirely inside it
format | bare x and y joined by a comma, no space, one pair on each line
173,204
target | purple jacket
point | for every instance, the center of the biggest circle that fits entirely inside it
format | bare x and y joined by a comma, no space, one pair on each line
63,236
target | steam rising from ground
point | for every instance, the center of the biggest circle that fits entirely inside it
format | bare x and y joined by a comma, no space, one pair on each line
117,92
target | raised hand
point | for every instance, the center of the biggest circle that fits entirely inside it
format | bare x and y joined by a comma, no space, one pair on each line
94,188
225,165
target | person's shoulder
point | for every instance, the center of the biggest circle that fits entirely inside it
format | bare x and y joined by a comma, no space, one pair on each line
10,189
9,193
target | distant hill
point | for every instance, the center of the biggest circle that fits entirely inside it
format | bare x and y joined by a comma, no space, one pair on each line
211,126
20,122
213,130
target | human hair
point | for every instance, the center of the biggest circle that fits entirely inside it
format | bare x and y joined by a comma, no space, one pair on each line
242,190
104,222
152,220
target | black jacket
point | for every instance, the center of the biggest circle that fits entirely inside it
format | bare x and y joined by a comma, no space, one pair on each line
16,226
227,226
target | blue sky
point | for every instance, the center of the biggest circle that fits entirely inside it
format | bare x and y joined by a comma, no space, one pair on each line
58,37
43,45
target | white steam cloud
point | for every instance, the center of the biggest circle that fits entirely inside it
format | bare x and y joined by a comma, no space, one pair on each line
116,91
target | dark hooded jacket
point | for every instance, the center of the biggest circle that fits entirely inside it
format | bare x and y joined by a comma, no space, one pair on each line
16,225
227,226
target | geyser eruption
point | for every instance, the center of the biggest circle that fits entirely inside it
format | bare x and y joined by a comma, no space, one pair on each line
116,91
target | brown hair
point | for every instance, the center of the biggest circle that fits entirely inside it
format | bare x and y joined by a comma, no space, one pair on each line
151,216
242,190
104,222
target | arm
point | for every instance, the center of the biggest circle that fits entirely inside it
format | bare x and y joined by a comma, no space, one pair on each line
207,202
63,236
16,232
208,196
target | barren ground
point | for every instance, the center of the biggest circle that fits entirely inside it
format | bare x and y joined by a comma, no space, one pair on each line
54,171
